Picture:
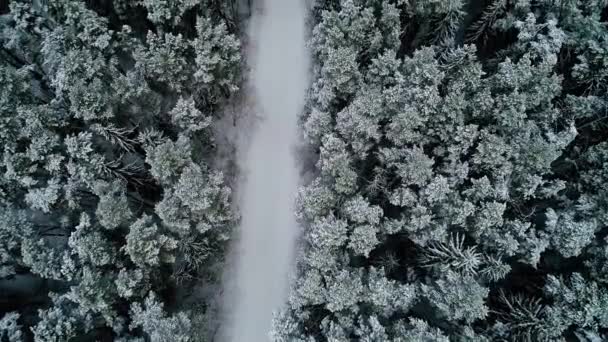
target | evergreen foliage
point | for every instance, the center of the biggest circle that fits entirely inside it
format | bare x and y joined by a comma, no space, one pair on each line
459,176
462,148
108,193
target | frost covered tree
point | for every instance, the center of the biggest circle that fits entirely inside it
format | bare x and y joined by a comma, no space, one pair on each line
107,182
461,149
10,328
157,325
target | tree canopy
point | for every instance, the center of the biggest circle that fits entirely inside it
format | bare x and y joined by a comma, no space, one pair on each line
108,190
461,158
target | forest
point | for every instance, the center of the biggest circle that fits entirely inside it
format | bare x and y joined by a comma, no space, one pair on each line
456,161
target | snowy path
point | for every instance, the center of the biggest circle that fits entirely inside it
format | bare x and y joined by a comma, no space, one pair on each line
268,228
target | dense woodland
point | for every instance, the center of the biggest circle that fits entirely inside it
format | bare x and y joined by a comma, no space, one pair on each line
112,212
459,191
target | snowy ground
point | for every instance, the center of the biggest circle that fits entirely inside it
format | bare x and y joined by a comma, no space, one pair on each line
263,255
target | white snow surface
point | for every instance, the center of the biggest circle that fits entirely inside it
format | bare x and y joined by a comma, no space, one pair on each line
264,251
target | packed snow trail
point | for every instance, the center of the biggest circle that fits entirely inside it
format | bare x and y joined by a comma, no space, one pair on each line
268,227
